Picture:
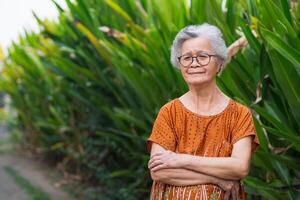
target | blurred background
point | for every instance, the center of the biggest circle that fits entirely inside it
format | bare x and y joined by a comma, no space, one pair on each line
82,81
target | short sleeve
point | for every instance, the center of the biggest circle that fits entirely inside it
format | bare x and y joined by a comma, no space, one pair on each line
163,132
243,127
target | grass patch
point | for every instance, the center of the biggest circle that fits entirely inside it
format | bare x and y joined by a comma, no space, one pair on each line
5,146
9,143
34,192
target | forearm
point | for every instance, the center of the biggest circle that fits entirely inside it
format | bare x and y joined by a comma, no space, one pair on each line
183,177
221,167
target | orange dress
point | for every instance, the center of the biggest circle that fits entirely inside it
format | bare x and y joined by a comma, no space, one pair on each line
180,130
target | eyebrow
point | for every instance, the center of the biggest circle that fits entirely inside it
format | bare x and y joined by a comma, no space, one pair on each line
200,51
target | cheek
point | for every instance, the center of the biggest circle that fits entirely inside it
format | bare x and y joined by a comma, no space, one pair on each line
213,70
183,72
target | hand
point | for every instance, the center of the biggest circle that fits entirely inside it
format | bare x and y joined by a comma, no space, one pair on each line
231,188
166,159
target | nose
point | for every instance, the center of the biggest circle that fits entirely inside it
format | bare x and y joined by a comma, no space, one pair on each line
194,63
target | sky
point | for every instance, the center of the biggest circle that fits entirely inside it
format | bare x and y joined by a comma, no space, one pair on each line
16,15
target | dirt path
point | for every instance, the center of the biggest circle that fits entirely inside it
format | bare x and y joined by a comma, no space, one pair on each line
8,188
35,172
31,174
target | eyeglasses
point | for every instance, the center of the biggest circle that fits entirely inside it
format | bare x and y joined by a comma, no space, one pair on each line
202,59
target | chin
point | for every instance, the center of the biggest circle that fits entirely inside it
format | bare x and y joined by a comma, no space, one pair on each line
198,81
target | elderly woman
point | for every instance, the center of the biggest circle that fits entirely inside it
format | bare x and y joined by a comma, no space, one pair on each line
201,142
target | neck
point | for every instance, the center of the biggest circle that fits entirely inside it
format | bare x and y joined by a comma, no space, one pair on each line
206,94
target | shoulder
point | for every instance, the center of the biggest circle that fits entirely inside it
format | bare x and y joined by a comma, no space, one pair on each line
169,105
240,109
169,109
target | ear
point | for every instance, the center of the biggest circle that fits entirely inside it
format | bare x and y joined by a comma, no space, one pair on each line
220,66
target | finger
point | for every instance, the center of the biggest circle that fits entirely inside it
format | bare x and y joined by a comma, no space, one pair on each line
158,167
155,163
154,159
151,161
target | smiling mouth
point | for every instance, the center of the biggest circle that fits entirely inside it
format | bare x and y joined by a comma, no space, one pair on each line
196,72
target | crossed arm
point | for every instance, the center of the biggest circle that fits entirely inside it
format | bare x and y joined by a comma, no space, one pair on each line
178,176
184,169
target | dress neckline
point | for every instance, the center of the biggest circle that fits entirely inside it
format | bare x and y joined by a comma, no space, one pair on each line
205,116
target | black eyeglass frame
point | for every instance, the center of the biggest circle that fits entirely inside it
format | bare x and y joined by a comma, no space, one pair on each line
207,54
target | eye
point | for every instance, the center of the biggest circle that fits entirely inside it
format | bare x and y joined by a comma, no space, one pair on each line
186,57
202,57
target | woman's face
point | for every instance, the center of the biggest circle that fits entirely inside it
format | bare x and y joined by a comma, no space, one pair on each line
195,73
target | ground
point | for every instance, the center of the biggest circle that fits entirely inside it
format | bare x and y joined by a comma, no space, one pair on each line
25,178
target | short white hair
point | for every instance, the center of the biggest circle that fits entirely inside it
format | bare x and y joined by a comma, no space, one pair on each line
206,30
